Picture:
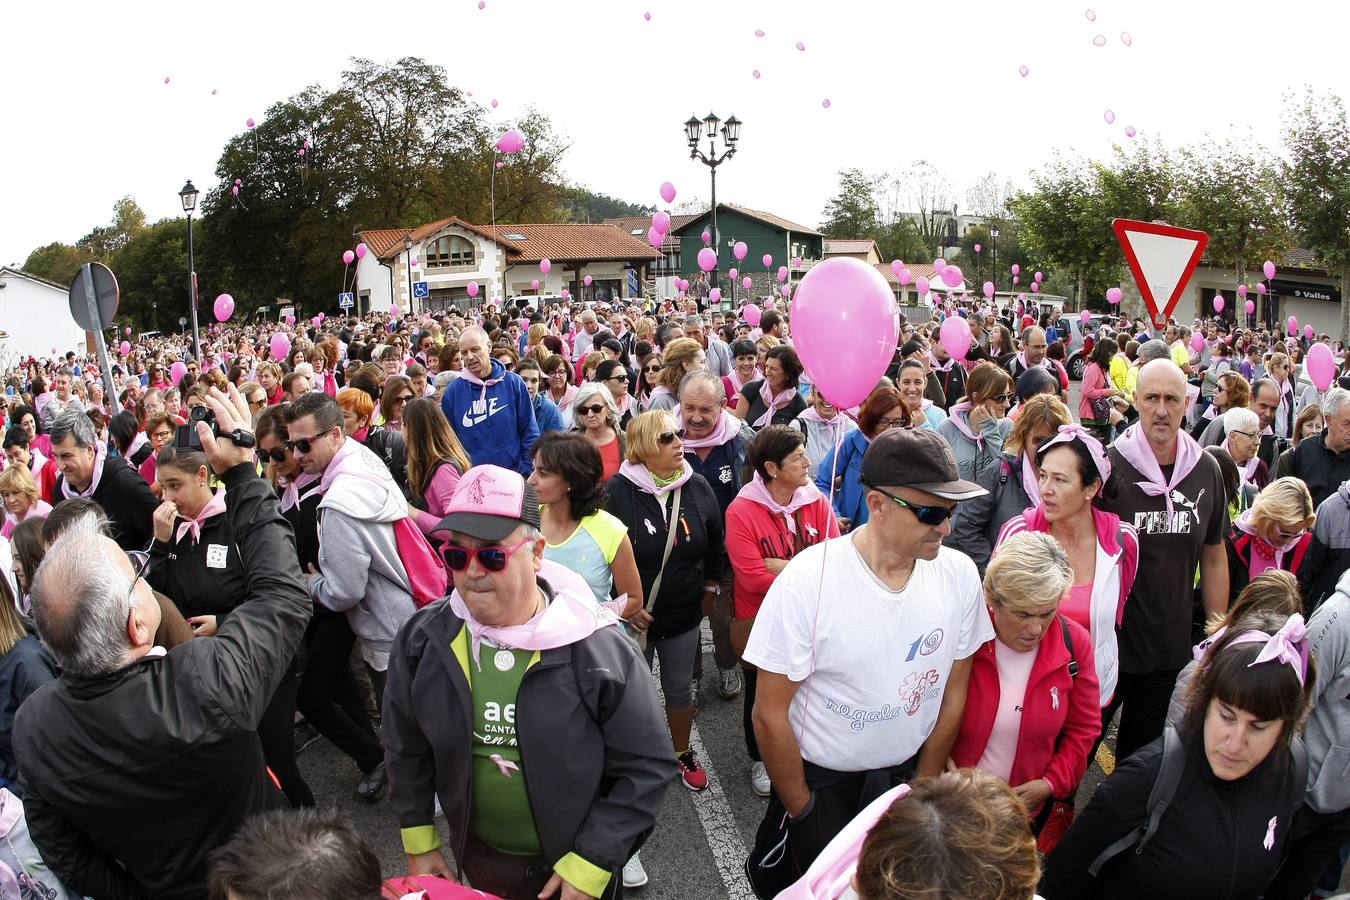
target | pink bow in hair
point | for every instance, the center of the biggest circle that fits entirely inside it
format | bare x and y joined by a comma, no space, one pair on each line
1288,645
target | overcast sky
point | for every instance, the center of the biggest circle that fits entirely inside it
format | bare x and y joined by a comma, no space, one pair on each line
88,117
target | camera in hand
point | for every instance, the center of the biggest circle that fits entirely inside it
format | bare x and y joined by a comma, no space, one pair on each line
185,438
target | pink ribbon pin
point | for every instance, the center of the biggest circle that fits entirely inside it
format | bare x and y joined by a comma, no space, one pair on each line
506,767
1269,842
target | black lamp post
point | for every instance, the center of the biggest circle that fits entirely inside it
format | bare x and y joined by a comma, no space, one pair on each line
407,246
993,258
189,197
731,133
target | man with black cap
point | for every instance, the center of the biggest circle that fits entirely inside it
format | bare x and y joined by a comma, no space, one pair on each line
521,706
864,647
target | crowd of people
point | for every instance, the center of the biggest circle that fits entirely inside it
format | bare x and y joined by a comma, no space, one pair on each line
475,550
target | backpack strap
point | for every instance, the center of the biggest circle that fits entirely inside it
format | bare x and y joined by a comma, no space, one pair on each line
1068,642
1299,751
1159,799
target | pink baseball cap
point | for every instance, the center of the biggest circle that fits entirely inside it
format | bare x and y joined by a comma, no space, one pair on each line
489,503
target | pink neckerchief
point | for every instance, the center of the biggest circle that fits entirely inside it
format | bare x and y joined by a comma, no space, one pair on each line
1134,447
329,383
37,508
657,392
566,400
940,366
643,480
736,378
772,401
474,379
1248,469
100,459
1031,483
960,417
728,426
755,489
571,616
832,871
811,414
193,526
1265,555
290,497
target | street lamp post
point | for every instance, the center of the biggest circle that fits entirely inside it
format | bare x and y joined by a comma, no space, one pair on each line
993,259
731,133
407,247
189,197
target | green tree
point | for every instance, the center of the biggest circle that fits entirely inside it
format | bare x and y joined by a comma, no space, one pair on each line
901,240
853,212
1317,178
151,273
56,262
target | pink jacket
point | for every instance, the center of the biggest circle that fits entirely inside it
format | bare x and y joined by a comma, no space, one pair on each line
1095,386
437,497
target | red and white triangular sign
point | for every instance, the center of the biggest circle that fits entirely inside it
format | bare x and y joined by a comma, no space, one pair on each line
1162,259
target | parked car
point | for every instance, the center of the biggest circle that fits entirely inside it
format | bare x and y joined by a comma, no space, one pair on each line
1075,358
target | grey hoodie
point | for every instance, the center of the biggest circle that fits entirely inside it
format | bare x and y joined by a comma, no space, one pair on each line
361,573
1327,734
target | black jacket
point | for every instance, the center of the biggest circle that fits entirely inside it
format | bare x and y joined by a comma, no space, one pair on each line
699,553
131,778
390,447
304,521
202,577
1209,844
1321,469
127,500
593,742
24,669
782,416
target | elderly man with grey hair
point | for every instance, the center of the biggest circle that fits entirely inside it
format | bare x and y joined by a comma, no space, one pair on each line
490,408
86,470
1323,460
717,352
138,761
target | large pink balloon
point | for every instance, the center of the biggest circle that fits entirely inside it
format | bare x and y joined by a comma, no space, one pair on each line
1039,276
989,290
751,315
587,281
472,288
1249,306
224,307
1268,267
906,276
1242,290
667,192
921,285
125,348
1260,288
951,276
715,295
1113,295
1293,325
1321,366
767,305
782,273
545,266
1016,269
896,267
510,141
768,260
655,238
361,250
1197,342
845,302
348,257
290,320
707,259
176,372
661,221
938,265
733,273
740,250
1309,332
954,335
1218,302
1085,316
280,345
1035,287
127,331
534,284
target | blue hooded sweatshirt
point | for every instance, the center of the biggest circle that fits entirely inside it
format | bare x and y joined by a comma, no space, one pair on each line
497,427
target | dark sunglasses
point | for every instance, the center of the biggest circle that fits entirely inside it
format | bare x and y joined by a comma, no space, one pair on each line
276,455
305,445
493,559
623,378
666,438
1003,398
651,369
402,398
588,410
932,516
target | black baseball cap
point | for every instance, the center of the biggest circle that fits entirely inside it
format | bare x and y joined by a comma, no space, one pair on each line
916,458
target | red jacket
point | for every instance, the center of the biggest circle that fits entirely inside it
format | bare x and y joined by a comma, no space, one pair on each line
1061,715
755,533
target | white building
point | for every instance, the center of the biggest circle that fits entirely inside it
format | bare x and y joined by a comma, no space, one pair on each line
35,318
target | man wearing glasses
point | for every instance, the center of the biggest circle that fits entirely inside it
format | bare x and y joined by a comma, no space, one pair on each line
159,762
887,648
521,706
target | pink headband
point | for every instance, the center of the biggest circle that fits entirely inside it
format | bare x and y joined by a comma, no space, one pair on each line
1288,645
1069,433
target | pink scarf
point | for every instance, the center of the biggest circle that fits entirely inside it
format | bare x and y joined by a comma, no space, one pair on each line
474,379
1248,469
1265,555
572,616
1030,482
758,491
642,479
290,497
772,402
566,401
736,378
811,414
830,875
940,366
724,431
100,459
657,392
1134,447
960,417
193,526
329,383
37,508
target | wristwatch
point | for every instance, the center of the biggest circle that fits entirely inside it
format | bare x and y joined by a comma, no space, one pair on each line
712,589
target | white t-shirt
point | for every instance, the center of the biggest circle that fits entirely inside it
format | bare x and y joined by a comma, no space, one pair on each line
1014,671
882,657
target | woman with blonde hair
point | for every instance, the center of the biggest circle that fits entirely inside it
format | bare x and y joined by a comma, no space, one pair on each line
1281,371
20,494
977,426
269,376
1275,533
680,357
436,460
596,415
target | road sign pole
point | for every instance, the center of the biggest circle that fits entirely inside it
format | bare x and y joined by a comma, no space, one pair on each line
100,344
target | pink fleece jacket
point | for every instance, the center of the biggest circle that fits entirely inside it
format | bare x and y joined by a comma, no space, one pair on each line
437,496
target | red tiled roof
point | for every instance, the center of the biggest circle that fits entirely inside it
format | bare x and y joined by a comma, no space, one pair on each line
1301,259
847,246
388,242
573,241
640,224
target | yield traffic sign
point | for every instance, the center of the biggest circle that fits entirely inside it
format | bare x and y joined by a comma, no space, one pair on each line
1162,259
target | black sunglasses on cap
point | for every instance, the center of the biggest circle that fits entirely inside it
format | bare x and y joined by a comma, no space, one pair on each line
932,516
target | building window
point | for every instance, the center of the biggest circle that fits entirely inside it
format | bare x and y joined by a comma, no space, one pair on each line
451,252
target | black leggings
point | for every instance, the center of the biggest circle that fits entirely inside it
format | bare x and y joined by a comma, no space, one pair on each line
328,698
747,713
276,733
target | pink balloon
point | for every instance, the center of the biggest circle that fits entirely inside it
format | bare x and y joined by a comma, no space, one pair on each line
782,273
938,265
837,302
290,320
249,123
1260,288
825,104
767,305
1308,332
1039,277
1197,342
655,238
989,290
1016,269
1249,306
707,259
1016,278
1023,71
801,46
1129,131
1293,325
759,32
176,372
566,294
1269,268
952,277
224,307
1091,16
896,267
715,295
768,260
739,250
954,336
978,248
361,249
1321,365
127,331
472,288
906,276
747,283
754,73
661,221
1126,39
921,285
348,257
414,262
1099,41
796,262
493,104
545,266
1242,290
125,348
534,284
1218,302
393,310
1035,287
1109,116
302,151
235,190
1113,295
706,236
1085,316
732,273
751,315
587,281
511,140
667,192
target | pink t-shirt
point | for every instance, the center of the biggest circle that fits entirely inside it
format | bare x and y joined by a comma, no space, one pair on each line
1078,607
1014,671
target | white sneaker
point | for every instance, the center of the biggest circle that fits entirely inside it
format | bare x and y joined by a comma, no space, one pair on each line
634,876
759,779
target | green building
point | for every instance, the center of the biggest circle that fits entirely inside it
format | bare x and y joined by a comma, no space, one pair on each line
762,232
